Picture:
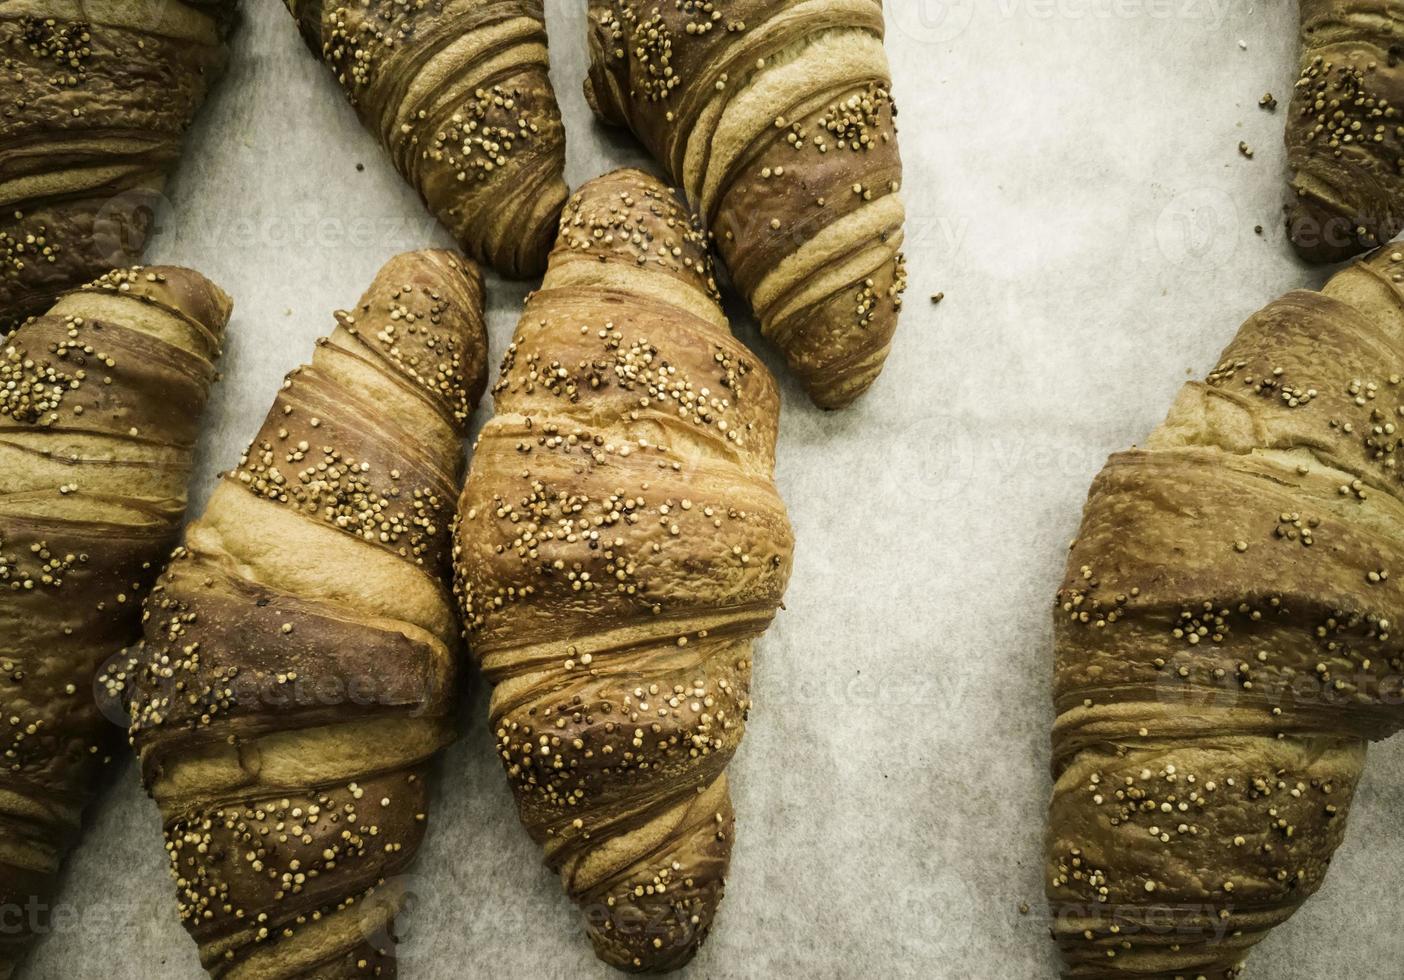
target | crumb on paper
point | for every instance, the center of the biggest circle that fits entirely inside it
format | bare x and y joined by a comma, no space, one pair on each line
1268,102
936,298
1245,149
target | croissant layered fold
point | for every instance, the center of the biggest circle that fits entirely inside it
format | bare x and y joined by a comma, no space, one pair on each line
1227,641
298,670
457,92
1345,133
95,98
100,400
776,118
621,545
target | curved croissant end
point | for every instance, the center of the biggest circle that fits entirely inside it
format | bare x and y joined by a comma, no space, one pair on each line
97,98
1226,641
457,92
298,673
776,118
1345,143
100,402
621,545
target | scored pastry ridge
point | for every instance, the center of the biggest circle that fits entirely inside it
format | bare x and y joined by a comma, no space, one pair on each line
621,545
298,672
1226,641
777,120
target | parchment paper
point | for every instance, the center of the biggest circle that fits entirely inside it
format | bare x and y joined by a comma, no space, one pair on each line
1076,190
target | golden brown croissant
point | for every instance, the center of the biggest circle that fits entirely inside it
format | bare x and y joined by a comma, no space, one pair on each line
1226,641
776,117
100,401
457,93
621,545
1345,134
95,98
297,676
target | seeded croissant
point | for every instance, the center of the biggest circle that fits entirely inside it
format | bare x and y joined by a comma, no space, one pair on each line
621,545
457,93
1345,134
95,99
297,675
100,401
1226,642
776,117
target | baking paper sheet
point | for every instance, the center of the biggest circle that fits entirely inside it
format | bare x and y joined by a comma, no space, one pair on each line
1076,190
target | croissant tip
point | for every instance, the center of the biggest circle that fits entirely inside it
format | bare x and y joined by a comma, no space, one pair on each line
1322,235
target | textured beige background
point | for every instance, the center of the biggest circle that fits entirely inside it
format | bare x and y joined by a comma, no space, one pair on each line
1076,189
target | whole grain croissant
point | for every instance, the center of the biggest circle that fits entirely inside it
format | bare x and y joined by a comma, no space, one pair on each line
100,400
621,545
1345,134
1227,641
297,675
95,99
776,117
457,93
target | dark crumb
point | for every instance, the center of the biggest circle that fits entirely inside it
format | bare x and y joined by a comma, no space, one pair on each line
1023,908
1257,229
1268,102
937,298
360,166
1246,150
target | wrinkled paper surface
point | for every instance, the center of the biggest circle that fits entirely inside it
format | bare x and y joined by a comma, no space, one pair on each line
1076,190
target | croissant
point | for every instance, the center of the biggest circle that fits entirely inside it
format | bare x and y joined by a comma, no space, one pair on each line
1345,134
298,670
457,93
776,117
620,547
1225,641
100,401
94,101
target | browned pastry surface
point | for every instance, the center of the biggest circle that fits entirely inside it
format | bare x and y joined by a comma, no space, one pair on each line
95,98
298,672
100,400
457,93
776,118
1226,641
1345,132
621,545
